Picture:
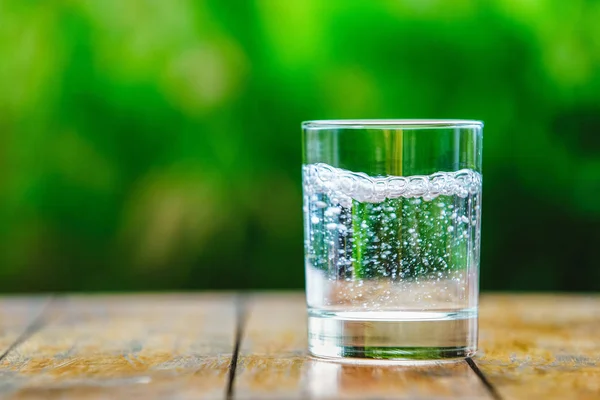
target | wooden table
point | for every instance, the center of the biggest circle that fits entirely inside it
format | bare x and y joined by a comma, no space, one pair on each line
252,346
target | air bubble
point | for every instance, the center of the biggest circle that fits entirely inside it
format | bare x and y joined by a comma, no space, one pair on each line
331,211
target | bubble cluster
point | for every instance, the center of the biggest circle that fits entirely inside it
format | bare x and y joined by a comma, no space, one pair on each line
415,236
344,186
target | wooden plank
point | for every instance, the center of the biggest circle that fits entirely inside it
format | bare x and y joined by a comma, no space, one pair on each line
16,315
273,364
541,346
150,346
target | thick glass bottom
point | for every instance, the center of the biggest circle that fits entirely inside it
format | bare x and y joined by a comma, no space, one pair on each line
392,335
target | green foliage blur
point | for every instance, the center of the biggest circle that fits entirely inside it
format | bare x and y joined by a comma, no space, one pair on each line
154,144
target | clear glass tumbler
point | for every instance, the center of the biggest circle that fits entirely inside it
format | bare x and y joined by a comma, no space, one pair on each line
392,230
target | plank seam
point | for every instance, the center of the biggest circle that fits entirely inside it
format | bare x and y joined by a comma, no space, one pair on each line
32,328
241,313
488,385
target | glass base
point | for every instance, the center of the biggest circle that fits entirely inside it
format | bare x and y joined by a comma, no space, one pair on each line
396,335
393,353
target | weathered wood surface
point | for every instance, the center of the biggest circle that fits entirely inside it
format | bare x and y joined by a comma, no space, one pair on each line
212,346
125,347
541,346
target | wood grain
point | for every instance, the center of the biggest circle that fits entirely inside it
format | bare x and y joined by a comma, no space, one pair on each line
541,346
181,346
150,346
273,365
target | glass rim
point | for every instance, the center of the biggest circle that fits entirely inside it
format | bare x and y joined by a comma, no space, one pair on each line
390,123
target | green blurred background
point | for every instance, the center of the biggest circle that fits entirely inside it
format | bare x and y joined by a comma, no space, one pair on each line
150,145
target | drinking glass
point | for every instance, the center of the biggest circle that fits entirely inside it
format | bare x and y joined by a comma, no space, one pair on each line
392,230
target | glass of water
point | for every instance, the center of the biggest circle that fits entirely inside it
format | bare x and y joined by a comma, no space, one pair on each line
392,230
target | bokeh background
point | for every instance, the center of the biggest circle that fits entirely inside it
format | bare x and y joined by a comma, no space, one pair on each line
150,145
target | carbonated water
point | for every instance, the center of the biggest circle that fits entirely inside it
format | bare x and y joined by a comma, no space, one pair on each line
391,263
